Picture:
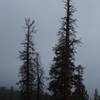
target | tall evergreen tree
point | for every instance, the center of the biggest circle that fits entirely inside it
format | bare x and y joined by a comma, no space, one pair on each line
28,68
80,92
62,70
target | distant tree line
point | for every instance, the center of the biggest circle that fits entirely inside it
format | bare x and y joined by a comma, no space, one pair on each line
9,94
13,94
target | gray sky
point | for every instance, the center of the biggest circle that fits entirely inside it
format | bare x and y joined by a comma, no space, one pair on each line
47,14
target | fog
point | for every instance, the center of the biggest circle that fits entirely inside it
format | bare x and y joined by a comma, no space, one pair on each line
47,15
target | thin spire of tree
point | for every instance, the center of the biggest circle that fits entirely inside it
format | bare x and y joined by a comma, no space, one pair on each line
27,55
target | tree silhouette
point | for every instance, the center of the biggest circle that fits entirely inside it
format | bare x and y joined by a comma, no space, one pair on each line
28,68
39,77
80,92
62,70
96,95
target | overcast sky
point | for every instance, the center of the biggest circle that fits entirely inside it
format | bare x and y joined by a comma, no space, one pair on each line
47,14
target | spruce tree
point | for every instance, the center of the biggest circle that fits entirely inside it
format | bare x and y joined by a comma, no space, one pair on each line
62,69
28,68
80,92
